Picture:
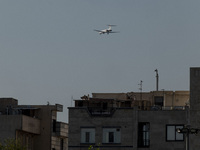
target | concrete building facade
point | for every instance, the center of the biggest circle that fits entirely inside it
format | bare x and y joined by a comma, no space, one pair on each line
129,121
36,126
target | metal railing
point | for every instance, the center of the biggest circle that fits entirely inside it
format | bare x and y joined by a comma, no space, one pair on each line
100,110
157,108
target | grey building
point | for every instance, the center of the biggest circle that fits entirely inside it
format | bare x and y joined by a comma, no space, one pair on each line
36,126
132,121
194,140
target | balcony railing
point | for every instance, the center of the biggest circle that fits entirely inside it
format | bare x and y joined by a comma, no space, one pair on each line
30,124
99,111
158,108
109,111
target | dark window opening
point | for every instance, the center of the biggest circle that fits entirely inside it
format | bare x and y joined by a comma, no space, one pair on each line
54,125
61,144
143,134
87,137
158,100
105,105
26,112
80,104
111,137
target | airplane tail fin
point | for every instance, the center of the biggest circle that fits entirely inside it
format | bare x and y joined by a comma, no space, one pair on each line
110,26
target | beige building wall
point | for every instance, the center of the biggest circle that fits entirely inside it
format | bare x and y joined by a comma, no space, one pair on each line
170,98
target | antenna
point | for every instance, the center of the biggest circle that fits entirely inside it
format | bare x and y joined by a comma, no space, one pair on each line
157,77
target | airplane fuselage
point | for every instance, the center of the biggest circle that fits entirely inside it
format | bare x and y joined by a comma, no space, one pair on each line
105,31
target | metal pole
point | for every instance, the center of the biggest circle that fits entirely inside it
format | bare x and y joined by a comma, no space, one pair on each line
187,140
157,78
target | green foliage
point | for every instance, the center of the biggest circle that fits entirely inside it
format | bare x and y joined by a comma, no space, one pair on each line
92,148
11,144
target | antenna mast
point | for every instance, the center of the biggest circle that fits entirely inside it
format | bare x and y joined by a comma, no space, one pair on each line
157,78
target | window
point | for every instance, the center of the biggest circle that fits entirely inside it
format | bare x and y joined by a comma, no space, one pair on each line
80,104
111,135
87,135
105,105
61,144
172,134
143,134
54,125
158,100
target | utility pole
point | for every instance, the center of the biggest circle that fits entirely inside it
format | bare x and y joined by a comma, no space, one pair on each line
157,78
187,131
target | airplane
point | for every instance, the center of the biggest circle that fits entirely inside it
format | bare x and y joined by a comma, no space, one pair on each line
109,30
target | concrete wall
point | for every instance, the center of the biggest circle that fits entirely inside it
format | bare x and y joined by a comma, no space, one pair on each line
177,98
158,121
195,106
62,129
8,125
44,140
121,118
117,96
30,124
56,143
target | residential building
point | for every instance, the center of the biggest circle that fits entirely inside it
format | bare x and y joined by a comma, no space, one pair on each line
36,126
136,120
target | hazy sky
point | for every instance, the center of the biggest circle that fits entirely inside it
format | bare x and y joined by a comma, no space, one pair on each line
49,51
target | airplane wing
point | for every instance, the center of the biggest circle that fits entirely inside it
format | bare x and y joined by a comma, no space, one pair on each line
114,32
98,30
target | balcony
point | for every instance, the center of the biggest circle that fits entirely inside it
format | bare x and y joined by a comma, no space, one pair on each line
30,124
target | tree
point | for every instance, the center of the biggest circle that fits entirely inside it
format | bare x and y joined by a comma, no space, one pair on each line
12,144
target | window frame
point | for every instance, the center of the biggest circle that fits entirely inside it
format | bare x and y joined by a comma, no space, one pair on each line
176,126
144,134
111,135
87,135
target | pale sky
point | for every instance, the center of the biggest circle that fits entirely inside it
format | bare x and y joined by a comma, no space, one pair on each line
49,51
